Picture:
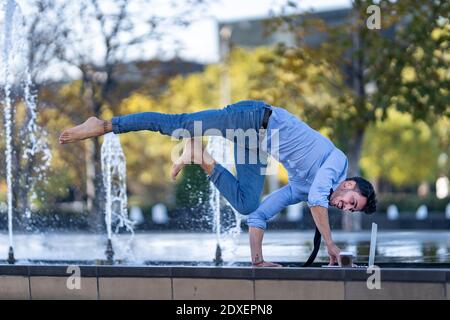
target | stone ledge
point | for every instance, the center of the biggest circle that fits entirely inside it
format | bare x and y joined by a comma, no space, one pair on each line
134,271
323,274
213,272
55,288
60,271
14,288
329,274
395,291
219,283
134,288
400,275
212,289
299,290
13,270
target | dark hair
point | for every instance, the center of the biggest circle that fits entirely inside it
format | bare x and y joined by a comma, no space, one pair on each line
365,189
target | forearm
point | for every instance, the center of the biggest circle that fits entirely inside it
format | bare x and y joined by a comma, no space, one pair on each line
320,216
257,220
256,238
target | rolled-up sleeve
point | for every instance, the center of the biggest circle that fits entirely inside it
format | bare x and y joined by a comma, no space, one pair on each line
332,171
271,205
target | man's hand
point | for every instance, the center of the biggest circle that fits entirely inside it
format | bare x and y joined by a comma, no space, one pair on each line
320,216
333,252
265,264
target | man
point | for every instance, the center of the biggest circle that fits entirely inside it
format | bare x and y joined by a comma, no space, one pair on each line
317,169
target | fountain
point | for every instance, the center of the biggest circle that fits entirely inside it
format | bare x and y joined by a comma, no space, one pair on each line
114,182
13,59
219,148
216,149
9,10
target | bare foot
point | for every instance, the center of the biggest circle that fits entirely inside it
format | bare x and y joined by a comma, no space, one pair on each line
92,127
192,152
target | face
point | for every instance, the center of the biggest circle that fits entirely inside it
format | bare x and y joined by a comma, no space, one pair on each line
346,198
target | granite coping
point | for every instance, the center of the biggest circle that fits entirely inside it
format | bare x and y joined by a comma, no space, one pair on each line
134,271
324,274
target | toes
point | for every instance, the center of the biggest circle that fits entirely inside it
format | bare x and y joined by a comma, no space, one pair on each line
176,168
64,137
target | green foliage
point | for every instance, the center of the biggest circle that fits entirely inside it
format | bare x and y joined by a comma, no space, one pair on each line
409,71
406,65
401,151
412,70
192,189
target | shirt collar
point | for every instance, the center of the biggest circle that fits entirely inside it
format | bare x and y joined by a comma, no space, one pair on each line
329,195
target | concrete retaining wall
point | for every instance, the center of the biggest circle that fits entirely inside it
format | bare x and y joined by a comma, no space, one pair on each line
219,283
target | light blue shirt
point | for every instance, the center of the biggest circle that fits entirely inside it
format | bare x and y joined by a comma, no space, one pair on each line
313,163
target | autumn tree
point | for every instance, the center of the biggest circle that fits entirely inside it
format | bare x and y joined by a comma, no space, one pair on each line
405,152
38,40
99,37
405,65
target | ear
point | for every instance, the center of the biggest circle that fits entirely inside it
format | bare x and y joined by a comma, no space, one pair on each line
350,184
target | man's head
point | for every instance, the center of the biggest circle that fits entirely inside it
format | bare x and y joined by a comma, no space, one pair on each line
354,194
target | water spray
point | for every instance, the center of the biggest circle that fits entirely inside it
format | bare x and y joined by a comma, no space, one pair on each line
114,183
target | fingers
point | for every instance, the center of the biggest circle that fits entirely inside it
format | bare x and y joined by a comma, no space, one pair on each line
333,260
269,265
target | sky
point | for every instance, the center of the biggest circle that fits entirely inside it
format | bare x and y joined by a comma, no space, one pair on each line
199,41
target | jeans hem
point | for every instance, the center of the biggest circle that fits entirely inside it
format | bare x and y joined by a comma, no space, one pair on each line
217,171
259,225
115,124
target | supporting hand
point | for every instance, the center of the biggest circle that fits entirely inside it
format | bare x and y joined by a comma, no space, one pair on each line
256,237
266,264
333,252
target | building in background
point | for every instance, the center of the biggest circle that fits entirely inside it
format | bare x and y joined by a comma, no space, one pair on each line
252,33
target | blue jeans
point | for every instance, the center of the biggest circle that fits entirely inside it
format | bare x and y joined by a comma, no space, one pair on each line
243,192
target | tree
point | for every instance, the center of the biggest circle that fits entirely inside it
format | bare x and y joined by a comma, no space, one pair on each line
368,70
402,151
148,154
44,38
99,37
413,72
38,34
359,68
192,189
